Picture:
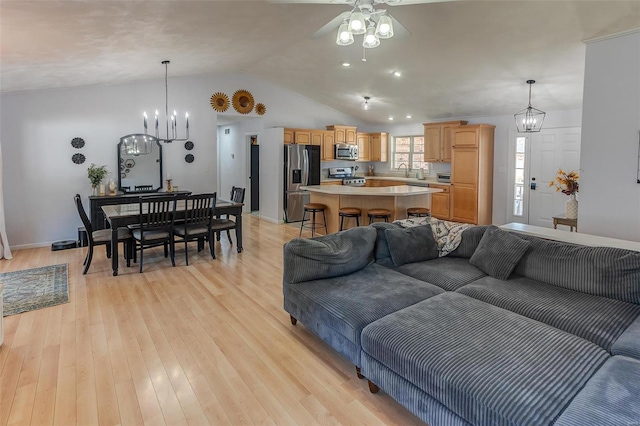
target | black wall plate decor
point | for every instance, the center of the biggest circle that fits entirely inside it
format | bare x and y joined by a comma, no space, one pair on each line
189,158
77,143
188,145
78,158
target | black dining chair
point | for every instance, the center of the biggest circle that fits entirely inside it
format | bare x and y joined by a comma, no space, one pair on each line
155,226
226,224
103,237
197,222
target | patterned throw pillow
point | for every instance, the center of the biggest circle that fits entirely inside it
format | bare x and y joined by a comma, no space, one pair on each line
499,252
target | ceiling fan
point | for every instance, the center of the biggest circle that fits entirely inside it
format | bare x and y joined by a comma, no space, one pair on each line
363,18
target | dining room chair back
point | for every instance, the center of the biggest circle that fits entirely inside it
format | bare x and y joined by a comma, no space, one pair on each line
237,194
155,228
197,223
224,223
102,237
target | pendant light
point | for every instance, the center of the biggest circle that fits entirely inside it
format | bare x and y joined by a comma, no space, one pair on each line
365,104
530,119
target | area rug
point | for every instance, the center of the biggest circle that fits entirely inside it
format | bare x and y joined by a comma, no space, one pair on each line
35,288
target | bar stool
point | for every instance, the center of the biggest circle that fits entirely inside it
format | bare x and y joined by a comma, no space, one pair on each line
379,214
349,212
418,212
314,208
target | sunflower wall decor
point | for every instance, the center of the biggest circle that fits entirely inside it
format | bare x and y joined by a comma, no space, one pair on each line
261,109
243,101
220,102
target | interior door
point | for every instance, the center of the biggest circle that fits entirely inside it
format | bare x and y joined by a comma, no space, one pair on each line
532,166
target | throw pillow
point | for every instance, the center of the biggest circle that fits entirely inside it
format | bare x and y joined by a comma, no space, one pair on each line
409,245
499,252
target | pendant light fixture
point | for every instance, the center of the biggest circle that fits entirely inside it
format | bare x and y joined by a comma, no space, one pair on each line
530,119
365,104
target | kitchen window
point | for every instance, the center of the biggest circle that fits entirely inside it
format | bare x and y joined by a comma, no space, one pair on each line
408,150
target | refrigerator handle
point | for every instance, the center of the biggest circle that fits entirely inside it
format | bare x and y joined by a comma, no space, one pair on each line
305,165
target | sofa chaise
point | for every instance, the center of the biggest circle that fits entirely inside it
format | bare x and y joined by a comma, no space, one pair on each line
505,329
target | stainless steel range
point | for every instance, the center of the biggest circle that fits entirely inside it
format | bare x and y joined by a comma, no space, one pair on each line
348,176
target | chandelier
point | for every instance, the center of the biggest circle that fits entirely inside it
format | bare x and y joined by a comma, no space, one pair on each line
364,19
529,120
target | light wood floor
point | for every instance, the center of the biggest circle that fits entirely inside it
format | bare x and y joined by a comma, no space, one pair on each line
207,343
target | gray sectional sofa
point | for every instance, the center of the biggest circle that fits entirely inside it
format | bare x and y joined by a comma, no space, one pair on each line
506,329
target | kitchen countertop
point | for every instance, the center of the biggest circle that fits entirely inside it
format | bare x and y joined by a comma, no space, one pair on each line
409,181
388,191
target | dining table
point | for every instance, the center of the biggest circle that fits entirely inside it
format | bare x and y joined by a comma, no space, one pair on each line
119,215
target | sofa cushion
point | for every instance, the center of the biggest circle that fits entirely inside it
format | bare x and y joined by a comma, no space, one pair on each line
410,245
486,364
597,319
628,343
449,273
603,271
470,239
328,256
348,303
610,398
382,248
499,252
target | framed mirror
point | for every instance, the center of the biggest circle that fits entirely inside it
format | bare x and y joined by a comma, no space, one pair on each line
139,164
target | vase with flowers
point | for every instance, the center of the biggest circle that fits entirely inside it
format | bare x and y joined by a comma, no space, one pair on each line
95,175
567,183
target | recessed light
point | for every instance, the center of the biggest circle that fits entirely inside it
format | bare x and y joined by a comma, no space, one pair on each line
408,115
397,73
346,64
390,118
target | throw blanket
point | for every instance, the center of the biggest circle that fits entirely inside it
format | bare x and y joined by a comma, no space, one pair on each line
448,235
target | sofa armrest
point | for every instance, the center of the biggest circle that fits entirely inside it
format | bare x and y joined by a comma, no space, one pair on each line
628,343
329,256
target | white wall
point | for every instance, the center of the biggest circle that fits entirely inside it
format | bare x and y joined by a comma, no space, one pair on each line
37,127
609,195
504,124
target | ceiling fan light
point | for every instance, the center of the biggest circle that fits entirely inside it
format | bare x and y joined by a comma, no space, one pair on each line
357,24
345,37
384,29
370,39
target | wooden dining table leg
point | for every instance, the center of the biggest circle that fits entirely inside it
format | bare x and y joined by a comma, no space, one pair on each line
239,232
114,248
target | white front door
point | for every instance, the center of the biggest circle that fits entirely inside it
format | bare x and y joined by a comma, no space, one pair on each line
544,153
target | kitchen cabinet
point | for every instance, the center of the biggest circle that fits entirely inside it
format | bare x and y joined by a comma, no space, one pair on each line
344,134
297,136
472,174
441,202
438,140
324,139
381,183
331,182
372,146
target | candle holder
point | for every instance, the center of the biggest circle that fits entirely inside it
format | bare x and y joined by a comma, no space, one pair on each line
169,185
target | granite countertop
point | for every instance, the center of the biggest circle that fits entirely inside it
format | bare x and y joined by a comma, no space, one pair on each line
388,191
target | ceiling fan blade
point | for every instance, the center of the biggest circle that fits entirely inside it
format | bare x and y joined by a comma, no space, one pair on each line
398,29
407,2
331,25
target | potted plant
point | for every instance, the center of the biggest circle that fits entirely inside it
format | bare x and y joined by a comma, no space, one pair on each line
567,183
95,175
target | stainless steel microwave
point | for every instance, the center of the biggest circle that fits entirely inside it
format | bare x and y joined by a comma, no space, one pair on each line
346,151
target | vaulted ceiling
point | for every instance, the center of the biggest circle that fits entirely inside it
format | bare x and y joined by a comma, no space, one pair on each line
462,58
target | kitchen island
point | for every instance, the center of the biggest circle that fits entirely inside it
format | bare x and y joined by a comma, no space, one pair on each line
394,198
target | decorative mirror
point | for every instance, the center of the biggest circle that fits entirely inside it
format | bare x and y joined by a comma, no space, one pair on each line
140,159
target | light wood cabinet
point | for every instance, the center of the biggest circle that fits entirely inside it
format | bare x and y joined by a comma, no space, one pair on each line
332,182
323,139
372,146
344,134
438,139
441,202
297,136
380,183
472,174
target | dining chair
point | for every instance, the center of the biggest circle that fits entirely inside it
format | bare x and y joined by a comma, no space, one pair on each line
226,224
155,225
103,237
197,222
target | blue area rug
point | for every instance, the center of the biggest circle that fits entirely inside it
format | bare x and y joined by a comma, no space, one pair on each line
35,288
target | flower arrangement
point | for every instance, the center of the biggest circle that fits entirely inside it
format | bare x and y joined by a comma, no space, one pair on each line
566,182
96,174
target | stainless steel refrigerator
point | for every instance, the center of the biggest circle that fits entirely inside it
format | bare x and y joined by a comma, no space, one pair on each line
301,167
